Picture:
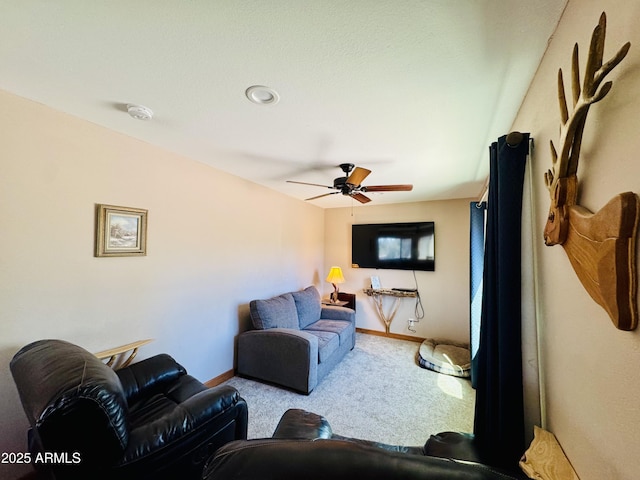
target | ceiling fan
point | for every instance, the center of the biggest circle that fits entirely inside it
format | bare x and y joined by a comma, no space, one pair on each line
350,184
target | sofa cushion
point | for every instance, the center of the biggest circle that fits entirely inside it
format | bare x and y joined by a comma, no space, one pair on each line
308,305
328,342
340,327
276,312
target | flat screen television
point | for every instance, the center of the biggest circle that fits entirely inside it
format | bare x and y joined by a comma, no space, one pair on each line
400,246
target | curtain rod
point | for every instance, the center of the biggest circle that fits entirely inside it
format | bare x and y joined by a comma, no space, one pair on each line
485,193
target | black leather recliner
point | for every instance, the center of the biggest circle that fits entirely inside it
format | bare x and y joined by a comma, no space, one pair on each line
148,420
304,446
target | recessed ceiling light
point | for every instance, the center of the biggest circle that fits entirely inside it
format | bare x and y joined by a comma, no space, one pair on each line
139,112
262,95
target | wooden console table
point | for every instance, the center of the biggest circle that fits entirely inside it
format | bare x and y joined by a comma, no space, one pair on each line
113,353
377,294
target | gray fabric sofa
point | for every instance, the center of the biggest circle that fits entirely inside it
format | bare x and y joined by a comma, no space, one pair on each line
296,340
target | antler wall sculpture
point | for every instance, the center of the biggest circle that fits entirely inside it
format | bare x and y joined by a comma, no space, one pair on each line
600,246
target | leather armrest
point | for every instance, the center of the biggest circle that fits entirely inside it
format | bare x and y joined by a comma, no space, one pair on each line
152,372
188,417
210,403
297,424
461,446
464,447
300,424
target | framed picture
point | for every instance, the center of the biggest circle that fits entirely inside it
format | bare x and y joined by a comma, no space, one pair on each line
120,231
375,283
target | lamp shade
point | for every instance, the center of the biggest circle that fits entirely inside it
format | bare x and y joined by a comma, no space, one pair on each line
335,275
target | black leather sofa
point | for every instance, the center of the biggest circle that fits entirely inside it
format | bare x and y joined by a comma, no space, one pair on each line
304,446
148,420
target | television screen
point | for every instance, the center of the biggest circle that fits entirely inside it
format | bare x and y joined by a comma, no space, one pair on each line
401,246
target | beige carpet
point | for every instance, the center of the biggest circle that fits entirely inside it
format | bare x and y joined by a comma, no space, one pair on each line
378,392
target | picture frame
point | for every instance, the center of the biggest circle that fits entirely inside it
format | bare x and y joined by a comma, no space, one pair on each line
120,231
375,283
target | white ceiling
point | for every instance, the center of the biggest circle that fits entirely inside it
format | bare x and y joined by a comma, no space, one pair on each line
414,90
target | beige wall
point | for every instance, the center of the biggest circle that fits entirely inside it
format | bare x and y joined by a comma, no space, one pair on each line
214,243
591,369
444,293
203,267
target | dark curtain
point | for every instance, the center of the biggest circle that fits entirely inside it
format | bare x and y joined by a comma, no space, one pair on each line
477,212
499,413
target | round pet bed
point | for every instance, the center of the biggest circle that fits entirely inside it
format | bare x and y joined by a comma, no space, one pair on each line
445,356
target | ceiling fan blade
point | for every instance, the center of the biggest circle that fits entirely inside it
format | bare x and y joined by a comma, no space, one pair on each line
357,176
320,196
312,184
388,188
361,198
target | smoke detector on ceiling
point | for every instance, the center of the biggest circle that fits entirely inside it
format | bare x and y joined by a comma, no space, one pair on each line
139,112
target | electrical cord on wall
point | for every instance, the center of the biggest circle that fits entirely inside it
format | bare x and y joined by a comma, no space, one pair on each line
418,309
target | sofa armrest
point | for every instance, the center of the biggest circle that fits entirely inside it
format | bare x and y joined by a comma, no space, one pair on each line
200,416
281,355
335,459
333,312
297,424
153,372
206,405
300,424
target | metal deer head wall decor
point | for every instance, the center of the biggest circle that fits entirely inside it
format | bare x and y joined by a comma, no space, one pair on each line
600,246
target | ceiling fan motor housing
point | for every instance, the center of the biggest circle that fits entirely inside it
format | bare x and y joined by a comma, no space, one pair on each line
339,182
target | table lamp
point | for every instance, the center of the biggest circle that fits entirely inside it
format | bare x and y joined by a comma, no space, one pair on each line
335,276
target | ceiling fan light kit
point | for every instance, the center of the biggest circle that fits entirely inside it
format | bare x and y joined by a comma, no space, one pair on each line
350,184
